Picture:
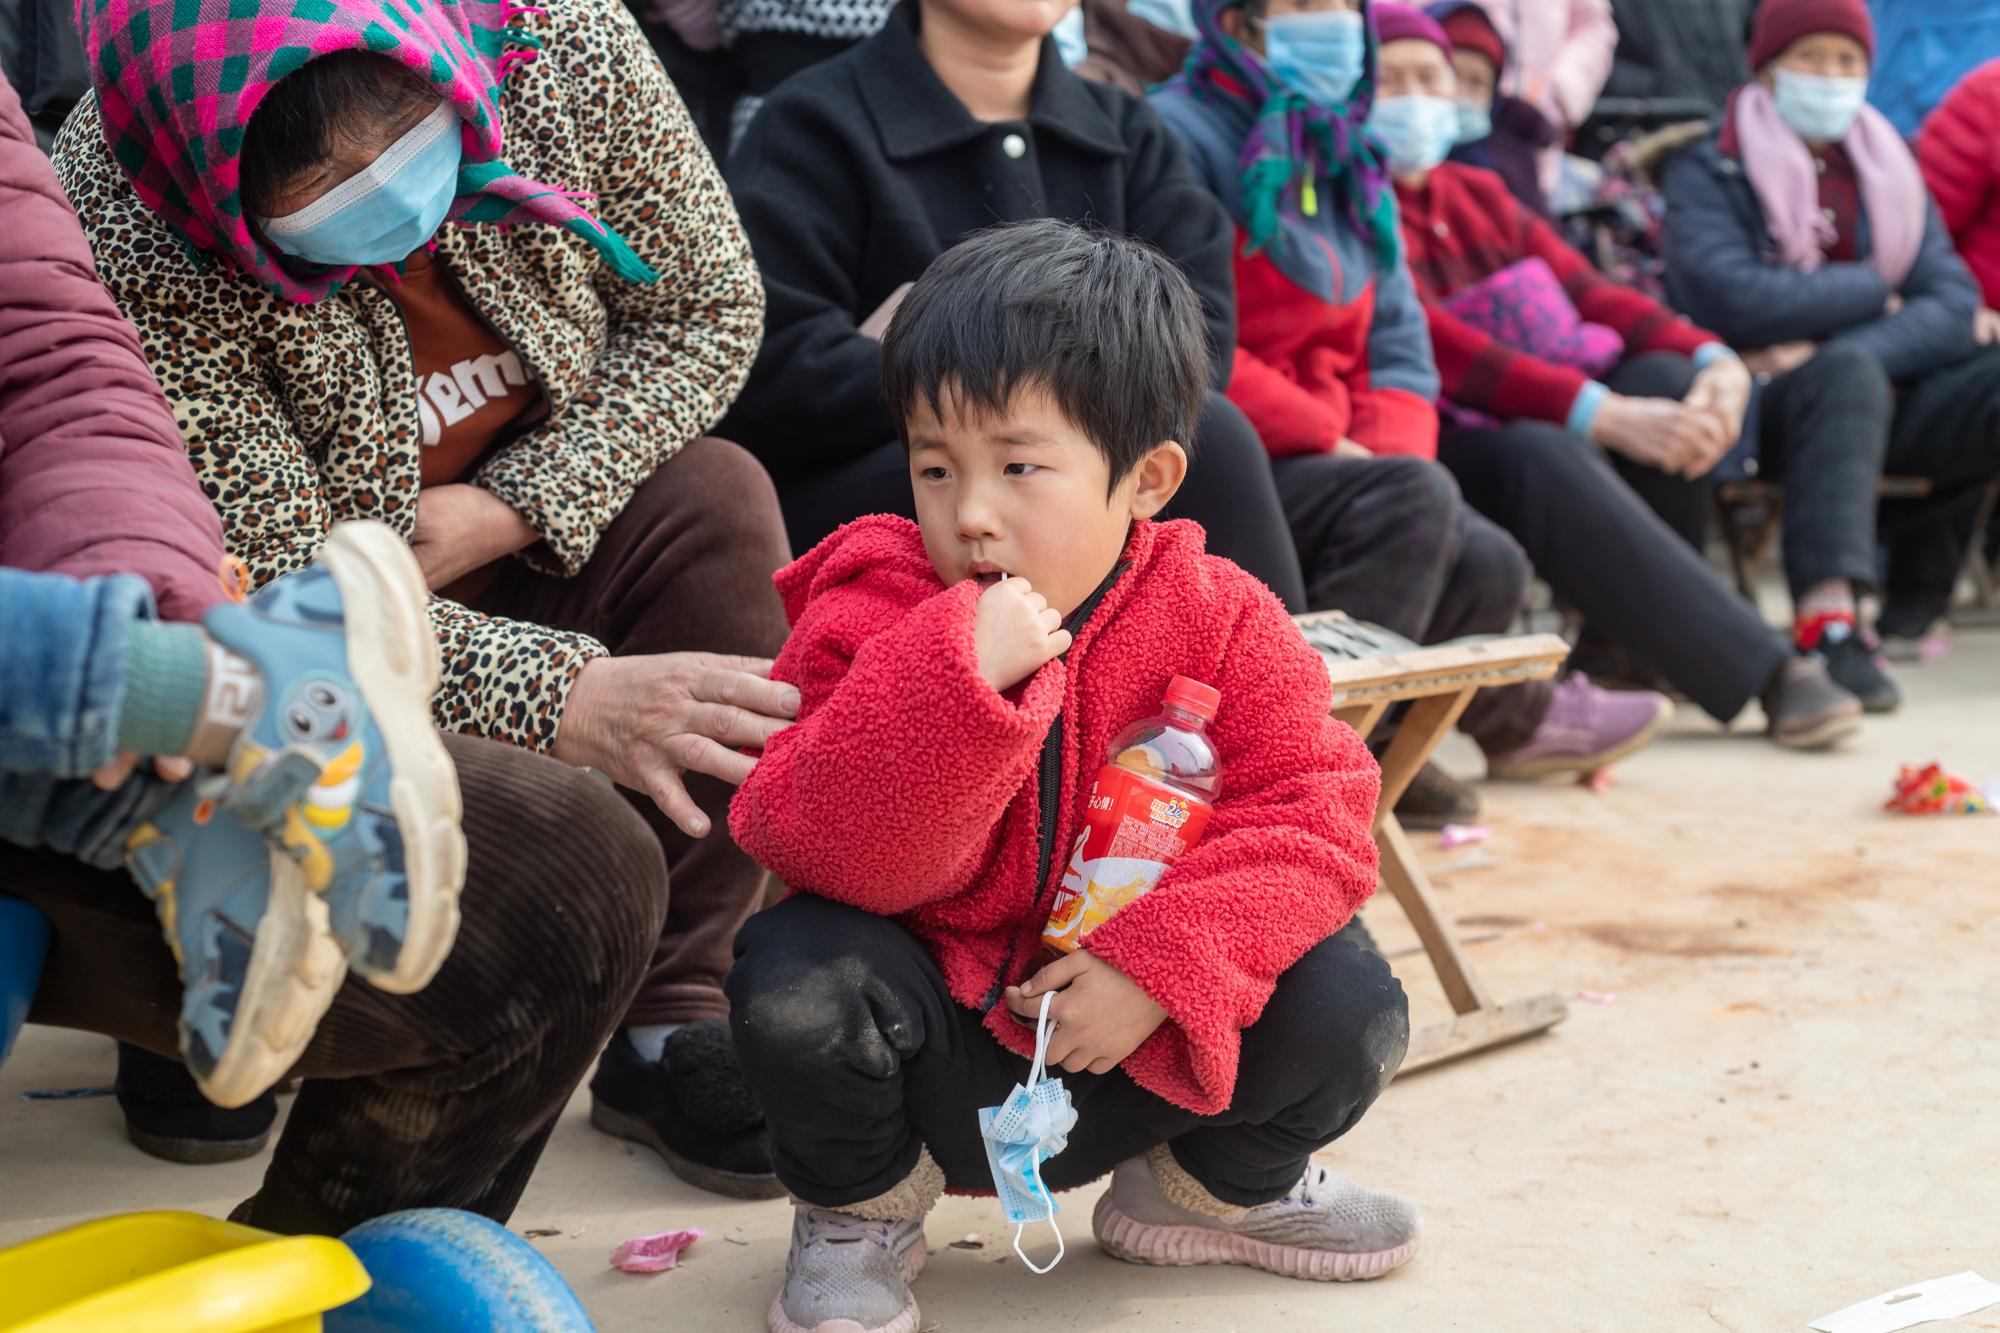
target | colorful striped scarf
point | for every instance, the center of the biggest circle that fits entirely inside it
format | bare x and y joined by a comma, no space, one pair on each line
1294,143
178,80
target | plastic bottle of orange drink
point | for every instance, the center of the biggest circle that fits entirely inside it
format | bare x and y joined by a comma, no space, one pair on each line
1148,805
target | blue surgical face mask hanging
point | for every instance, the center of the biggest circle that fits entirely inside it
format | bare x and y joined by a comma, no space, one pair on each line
1418,131
1023,1132
386,211
1070,42
1475,121
1318,56
1819,110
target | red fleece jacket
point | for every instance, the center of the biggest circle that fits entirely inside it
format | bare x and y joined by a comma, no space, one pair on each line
909,788
1464,226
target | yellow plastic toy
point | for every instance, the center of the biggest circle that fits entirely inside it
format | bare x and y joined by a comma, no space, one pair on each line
174,1273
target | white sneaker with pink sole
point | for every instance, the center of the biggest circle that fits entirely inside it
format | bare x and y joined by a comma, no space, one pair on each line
1327,1229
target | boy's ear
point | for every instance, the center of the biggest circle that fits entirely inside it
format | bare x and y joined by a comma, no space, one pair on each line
1160,474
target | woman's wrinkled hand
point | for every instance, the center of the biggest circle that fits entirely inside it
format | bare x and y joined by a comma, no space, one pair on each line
649,721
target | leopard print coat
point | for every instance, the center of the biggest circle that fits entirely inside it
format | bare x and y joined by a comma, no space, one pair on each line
298,416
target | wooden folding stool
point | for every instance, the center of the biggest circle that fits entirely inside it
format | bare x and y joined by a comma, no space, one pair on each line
1372,669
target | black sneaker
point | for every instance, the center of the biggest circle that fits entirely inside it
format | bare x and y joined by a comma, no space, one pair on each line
1855,666
167,1117
1806,709
1435,798
692,1108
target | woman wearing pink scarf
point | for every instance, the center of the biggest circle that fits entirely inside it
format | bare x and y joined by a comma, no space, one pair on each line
1798,228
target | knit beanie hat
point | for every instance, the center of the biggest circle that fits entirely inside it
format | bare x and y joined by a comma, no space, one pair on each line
1467,28
1779,23
1395,23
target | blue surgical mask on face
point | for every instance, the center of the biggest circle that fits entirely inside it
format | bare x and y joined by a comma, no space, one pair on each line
1475,121
1023,1132
1418,130
385,212
1317,55
1175,16
1819,110
1070,43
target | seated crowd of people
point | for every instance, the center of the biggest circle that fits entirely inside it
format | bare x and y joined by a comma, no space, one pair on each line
411,411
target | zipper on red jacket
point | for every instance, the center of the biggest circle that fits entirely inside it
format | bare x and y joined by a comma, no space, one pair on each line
1048,790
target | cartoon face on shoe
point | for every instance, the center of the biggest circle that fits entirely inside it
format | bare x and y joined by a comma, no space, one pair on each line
324,713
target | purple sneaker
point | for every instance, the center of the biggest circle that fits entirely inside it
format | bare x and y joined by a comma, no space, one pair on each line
1586,728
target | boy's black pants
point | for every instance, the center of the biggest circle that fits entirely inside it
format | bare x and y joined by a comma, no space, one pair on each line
859,1054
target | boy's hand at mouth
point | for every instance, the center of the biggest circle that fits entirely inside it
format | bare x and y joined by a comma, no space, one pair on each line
1103,1015
1015,632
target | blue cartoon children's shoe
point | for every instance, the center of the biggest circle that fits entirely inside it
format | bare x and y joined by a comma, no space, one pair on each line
341,766
258,966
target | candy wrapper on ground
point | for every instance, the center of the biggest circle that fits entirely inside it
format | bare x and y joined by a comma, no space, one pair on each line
1932,791
656,1253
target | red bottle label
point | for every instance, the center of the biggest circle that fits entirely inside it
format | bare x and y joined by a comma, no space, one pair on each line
1134,830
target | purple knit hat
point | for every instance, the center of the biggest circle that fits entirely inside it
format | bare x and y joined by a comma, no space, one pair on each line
1395,23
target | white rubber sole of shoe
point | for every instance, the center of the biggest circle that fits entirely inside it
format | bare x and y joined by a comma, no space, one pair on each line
1144,1243
906,1322
295,970
392,654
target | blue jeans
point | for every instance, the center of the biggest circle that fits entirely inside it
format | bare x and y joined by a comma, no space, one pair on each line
62,679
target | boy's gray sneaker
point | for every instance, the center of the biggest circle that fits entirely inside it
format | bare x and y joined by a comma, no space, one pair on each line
1327,1229
848,1274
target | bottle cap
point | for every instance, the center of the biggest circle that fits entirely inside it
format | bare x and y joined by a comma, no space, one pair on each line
1194,696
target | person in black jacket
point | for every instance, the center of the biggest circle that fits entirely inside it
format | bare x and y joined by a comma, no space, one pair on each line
860,171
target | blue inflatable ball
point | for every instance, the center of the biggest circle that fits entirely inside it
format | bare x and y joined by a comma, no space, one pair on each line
441,1270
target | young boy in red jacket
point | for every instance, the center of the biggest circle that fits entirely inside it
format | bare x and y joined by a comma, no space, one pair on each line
962,680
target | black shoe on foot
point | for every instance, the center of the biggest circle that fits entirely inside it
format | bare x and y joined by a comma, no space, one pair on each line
1435,798
166,1115
692,1108
1806,710
1852,662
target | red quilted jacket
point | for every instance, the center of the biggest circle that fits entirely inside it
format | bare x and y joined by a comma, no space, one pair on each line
911,789
93,478
1959,151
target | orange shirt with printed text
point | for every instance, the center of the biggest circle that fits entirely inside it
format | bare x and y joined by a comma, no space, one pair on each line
471,388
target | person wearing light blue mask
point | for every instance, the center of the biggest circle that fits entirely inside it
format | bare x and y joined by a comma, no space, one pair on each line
1417,130
1318,53
387,210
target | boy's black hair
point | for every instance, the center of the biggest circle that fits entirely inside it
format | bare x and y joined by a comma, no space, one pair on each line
1105,324
348,96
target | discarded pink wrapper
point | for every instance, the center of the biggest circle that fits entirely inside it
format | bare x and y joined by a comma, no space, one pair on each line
654,1254
1599,998
1463,835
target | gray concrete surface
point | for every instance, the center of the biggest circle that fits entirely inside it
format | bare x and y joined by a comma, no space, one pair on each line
1790,1106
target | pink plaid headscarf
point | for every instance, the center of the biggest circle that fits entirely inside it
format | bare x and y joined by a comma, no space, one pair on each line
178,80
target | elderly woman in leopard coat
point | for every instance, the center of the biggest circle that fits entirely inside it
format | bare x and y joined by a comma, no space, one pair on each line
464,266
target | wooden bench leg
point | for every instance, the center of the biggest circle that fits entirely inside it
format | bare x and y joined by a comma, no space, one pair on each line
1406,880
1422,730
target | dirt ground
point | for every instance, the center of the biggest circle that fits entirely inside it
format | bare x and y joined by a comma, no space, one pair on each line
1791,1104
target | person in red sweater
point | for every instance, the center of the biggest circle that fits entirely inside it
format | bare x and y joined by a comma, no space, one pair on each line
962,677
1529,422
